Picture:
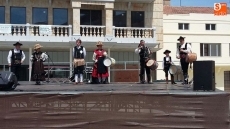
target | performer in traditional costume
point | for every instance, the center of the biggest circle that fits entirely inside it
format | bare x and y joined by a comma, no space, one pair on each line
100,71
144,53
15,59
79,54
182,52
167,62
37,59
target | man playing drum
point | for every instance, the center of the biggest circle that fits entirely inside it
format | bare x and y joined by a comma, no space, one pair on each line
144,53
79,53
182,52
100,71
167,62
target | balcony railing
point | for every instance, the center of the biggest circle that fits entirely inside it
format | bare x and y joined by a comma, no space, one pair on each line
131,32
35,30
92,31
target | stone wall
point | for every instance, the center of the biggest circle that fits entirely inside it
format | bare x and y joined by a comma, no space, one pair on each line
29,4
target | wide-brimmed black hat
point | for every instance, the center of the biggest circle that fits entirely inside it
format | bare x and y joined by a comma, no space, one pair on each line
180,38
167,51
17,44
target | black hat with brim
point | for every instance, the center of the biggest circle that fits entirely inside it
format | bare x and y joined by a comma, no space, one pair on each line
17,44
180,38
167,51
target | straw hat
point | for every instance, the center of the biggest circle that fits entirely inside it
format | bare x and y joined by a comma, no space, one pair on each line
99,43
36,46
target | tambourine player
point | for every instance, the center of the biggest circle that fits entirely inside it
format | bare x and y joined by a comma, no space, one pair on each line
144,53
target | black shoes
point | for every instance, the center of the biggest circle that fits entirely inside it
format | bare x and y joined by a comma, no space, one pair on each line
173,83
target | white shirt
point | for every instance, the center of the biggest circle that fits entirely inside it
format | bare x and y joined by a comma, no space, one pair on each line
94,56
138,50
84,51
189,49
15,51
167,59
44,57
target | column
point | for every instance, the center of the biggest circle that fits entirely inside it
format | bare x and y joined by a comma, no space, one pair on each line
109,67
109,19
76,17
71,61
30,63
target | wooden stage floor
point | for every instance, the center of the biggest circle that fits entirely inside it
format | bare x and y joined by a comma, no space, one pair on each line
65,88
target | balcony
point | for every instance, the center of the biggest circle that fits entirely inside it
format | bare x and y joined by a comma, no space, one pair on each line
120,34
134,35
34,33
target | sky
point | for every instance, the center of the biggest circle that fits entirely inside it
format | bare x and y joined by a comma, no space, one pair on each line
198,3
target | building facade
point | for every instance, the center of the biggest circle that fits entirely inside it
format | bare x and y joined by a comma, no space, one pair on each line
208,35
56,24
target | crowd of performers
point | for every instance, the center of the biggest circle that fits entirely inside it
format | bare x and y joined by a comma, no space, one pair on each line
100,73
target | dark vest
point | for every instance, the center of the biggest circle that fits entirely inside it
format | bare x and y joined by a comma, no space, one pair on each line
166,63
77,53
183,49
144,53
16,56
36,56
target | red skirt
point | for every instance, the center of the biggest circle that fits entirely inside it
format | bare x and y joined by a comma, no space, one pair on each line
95,73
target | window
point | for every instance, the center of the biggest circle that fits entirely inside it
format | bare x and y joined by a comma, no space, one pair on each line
119,18
91,17
2,14
213,49
17,15
210,26
60,16
40,16
137,19
183,26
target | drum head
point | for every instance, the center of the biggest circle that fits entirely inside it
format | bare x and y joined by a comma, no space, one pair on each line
173,69
113,60
107,62
150,62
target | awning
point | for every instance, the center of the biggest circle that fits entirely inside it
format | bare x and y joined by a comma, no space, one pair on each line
114,46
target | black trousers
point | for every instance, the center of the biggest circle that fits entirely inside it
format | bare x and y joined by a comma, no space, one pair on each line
166,70
79,69
142,71
16,70
184,66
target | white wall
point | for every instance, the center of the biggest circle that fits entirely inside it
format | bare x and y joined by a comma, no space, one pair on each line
195,35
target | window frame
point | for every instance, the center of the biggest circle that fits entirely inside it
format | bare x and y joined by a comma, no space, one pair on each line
183,26
90,10
67,14
210,26
143,19
40,8
209,49
126,18
18,7
4,14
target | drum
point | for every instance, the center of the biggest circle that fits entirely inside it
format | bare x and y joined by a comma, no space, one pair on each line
108,61
173,69
152,64
78,62
191,57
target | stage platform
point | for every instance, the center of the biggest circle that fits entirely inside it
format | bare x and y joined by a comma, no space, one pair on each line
112,106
